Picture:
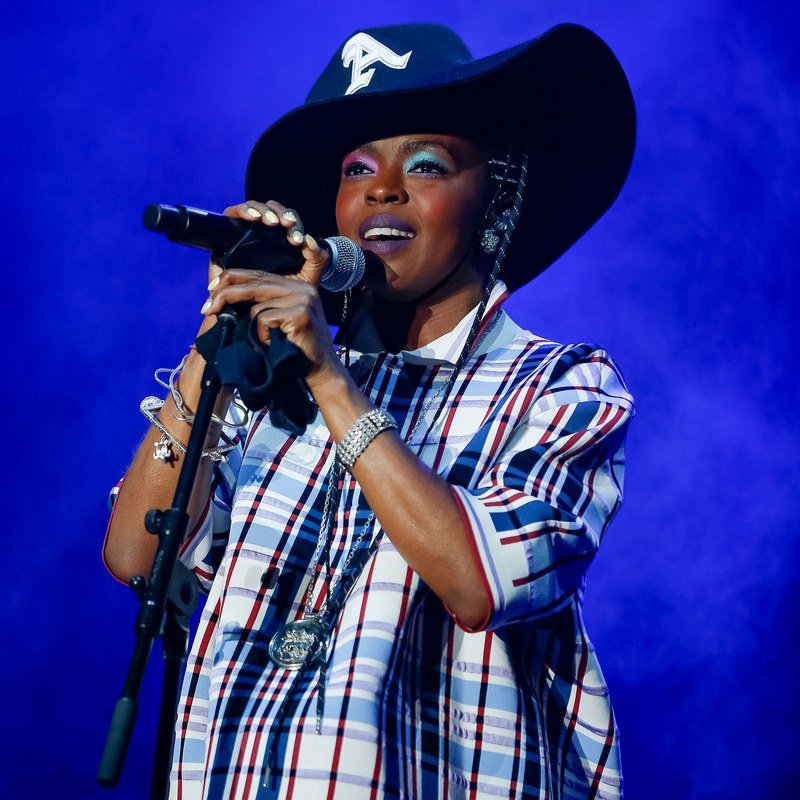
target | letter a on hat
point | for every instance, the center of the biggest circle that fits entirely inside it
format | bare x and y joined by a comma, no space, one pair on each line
360,51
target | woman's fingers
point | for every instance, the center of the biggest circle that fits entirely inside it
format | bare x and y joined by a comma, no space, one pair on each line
291,319
288,218
272,214
238,286
249,210
264,321
316,261
280,301
236,275
214,271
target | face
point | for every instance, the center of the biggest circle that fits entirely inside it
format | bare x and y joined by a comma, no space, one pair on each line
416,202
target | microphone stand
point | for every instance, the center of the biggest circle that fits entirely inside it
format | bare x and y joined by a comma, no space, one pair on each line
168,597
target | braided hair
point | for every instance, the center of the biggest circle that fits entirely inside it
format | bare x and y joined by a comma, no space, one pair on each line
508,174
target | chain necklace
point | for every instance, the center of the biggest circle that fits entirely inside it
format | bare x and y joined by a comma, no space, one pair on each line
304,642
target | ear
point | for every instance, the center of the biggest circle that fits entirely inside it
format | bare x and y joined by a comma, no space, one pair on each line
503,201
506,199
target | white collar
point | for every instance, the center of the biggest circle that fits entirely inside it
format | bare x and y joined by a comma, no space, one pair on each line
365,340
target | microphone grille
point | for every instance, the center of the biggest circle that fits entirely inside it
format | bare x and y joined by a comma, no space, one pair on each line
347,265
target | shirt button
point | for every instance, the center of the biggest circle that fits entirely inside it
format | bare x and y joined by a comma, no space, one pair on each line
270,577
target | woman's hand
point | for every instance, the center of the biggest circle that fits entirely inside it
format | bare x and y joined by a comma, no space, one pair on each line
415,506
288,302
273,214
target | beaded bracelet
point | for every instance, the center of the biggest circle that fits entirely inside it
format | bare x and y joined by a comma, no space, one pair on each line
360,435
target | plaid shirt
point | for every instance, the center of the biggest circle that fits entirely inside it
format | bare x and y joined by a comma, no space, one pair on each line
416,706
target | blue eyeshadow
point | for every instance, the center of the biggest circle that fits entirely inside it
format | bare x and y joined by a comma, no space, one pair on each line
425,155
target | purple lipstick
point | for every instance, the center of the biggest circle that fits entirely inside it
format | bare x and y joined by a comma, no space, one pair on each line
385,233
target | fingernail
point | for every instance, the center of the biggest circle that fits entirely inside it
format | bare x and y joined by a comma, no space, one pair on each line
312,242
290,216
216,270
272,217
213,285
297,237
206,306
254,213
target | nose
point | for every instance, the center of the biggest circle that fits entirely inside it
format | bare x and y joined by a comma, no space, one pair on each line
386,187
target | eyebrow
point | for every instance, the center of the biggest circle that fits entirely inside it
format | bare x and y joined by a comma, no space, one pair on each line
410,146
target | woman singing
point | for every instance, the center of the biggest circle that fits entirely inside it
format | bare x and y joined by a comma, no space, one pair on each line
394,594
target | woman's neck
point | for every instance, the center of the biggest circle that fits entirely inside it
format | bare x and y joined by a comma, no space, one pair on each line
408,326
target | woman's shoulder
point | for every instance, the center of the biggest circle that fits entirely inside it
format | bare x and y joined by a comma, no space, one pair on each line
542,362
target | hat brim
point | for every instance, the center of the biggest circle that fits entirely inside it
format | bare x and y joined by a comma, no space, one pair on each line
563,93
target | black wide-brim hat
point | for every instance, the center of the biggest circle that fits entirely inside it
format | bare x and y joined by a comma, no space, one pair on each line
564,94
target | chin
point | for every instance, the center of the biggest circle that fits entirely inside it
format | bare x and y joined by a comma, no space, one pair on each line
381,280
390,291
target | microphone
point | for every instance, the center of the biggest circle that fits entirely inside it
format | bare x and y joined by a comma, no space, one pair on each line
253,246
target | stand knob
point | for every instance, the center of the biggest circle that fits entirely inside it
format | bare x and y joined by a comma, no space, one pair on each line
152,520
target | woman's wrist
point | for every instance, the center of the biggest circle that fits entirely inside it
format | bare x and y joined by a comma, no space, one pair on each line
328,380
188,385
339,398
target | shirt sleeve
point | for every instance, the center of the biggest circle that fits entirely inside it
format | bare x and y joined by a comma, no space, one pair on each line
203,548
539,508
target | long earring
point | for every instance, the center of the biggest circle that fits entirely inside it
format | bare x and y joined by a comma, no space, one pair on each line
490,241
490,238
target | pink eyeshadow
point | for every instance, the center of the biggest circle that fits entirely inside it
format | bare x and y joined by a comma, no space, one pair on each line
361,157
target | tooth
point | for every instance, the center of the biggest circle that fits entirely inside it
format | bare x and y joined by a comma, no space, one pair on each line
396,232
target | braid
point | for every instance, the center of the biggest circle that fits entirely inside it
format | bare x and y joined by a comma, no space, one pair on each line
513,176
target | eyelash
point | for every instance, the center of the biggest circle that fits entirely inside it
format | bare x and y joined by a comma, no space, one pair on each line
430,167
351,169
424,167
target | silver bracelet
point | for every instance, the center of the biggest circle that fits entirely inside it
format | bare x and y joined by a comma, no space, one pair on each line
182,414
360,435
163,447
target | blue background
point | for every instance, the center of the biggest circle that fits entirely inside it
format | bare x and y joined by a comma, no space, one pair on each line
689,281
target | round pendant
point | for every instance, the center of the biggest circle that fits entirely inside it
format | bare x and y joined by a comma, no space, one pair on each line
298,643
